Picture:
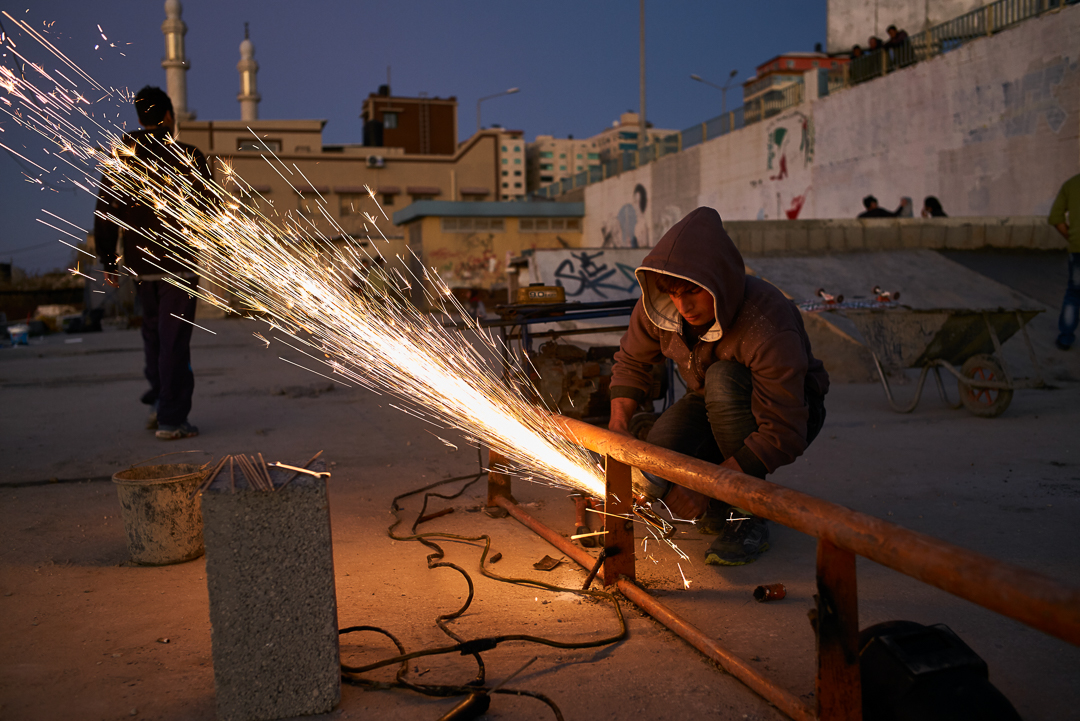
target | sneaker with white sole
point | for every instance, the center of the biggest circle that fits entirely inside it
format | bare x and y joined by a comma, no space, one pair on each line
742,541
172,433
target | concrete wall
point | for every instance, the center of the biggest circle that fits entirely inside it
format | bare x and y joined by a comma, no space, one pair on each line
992,129
852,22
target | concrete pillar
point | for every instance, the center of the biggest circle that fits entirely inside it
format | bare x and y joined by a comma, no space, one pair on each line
273,610
175,62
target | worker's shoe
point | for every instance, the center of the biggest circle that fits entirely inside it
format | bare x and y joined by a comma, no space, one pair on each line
715,519
149,398
173,433
151,420
742,541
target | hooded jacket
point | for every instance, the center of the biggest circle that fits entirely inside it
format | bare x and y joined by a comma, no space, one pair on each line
755,326
152,145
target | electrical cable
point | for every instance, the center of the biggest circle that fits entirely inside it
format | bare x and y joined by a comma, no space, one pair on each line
474,647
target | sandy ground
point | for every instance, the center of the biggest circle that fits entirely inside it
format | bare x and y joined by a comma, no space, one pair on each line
83,632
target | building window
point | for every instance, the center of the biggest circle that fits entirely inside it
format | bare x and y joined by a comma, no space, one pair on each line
352,204
506,172
389,120
260,146
307,206
504,148
594,156
562,167
579,156
471,225
506,185
423,196
544,225
545,166
517,148
506,161
388,199
517,161
517,185
517,172
546,178
562,155
547,154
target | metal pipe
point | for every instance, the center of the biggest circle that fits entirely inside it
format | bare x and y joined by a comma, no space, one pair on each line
1026,596
780,697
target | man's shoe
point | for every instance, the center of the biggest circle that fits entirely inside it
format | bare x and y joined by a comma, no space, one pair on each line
149,398
742,541
151,421
173,433
1062,346
715,519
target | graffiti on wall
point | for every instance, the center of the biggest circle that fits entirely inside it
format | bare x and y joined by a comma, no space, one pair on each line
586,271
1034,96
630,227
789,155
471,263
589,274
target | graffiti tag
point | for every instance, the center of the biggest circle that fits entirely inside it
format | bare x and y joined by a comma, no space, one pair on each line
584,270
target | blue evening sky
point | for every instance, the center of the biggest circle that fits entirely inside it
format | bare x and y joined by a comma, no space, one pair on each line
575,62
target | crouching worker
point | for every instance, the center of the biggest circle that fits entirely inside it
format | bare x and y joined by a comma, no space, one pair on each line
755,392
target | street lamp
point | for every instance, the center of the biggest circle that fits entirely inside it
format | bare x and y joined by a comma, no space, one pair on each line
723,90
511,91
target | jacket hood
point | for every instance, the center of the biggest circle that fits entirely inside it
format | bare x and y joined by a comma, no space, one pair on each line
698,249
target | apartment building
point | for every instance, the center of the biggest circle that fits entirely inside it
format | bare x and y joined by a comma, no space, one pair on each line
512,154
550,159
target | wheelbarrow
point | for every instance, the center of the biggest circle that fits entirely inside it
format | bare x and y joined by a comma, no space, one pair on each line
966,343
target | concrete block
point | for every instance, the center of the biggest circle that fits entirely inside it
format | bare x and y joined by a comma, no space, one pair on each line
818,238
880,235
958,237
911,235
1021,235
850,237
273,609
797,239
932,234
997,234
774,240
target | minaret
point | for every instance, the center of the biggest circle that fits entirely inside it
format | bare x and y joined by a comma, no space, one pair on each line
249,95
175,64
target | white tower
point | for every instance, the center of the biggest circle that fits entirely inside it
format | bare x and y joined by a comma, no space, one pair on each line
175,64
249,95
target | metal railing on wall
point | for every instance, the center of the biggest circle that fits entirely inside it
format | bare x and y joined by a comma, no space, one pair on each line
949,35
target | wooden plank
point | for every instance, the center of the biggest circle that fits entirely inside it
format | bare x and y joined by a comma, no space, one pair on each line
836,625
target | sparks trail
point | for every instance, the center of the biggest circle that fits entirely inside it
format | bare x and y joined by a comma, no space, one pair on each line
353,316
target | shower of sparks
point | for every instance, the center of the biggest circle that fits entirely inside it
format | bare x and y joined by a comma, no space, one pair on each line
338,306
174,315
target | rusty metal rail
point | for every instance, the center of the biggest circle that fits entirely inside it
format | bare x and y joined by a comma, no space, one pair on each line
1026,596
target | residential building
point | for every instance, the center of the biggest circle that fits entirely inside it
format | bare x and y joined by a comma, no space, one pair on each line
420,126
780,73
512,165
551,159
471,244
622,136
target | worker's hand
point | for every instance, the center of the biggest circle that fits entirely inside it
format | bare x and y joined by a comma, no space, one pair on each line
622,410
686,504
1063,228
112,279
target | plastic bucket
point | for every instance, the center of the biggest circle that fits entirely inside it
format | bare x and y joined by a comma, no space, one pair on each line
161,519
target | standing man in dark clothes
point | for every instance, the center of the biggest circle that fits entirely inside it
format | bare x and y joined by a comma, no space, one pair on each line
166,338
755,393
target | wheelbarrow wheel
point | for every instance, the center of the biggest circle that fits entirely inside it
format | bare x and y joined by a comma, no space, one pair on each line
984,402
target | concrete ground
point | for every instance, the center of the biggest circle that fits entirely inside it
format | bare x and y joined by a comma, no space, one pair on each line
83,633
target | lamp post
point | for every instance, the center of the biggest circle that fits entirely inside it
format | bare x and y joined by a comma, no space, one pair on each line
511,91
723,89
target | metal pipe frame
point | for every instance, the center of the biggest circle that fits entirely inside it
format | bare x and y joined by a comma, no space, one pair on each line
1025,596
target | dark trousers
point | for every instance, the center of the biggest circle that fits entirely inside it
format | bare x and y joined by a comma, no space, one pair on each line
167,345
1070,307
713,425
